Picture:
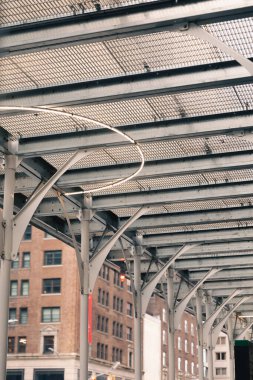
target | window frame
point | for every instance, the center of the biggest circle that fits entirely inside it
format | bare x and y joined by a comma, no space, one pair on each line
50,257
50,285
20,344
28,233
51,309
11,339
46,347
13,294
21,311
24,291
26,263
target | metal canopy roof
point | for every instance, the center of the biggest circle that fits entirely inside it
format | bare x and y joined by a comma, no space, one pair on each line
137,66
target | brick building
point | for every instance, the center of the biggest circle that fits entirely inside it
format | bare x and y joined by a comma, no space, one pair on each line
44,318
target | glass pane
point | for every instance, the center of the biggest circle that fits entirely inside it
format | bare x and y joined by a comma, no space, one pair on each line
25,288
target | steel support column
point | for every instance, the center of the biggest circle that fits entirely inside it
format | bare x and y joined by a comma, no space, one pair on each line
217,329
137,314
5,259
171,327
231,349
209,339
149,288
207,326
85,216
199,298
184,302
97,260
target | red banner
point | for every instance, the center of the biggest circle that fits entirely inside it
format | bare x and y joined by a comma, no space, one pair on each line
90,319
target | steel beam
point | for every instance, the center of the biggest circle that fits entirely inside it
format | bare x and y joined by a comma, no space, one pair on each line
239,123
224,292
242,272
236,234
246,307
48,34
193,217
161,197
152,169
195,30
137,86
226,284
207,250
197,266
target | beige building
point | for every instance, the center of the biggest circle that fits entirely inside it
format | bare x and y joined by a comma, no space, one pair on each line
221,357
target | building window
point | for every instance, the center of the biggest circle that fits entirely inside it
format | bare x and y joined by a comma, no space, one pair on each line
129,309
192,329
104,272
179,364
130,359
52,257
192,348
118,304
51,285
221,340
22,342
15,263
102,323
220,355
50,314
186,366
13,288
102,351
129,333
117,329
103,297
48,344
186,326
179,343
164,315
116,355
26,260
12,315
11,345
164,337
164,359
28,233
186,345
23,315
24,288
192,368
220,371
